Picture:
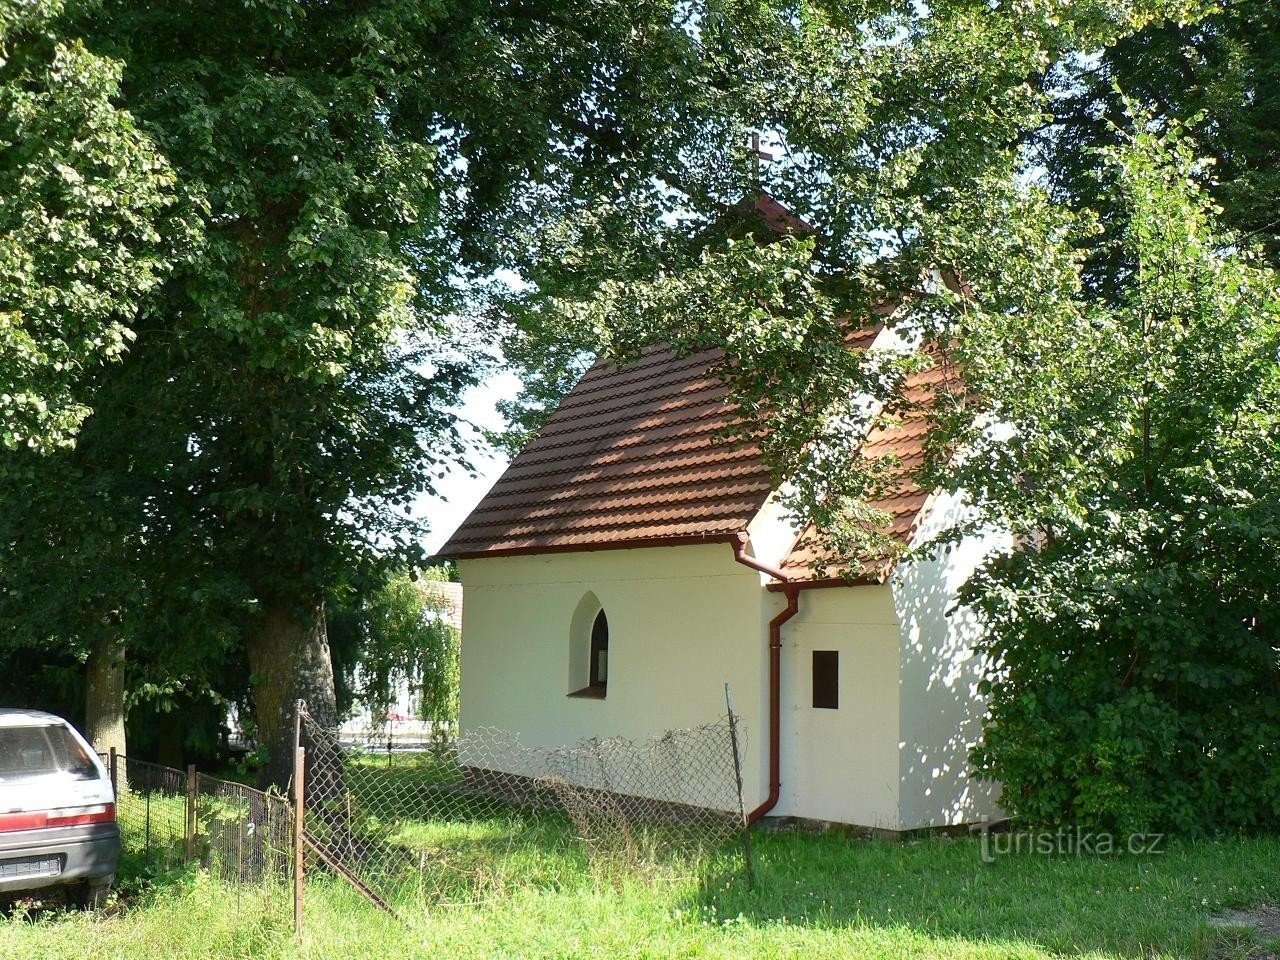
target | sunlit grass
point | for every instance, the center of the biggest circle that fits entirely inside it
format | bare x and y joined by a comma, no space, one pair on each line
520,886
824,896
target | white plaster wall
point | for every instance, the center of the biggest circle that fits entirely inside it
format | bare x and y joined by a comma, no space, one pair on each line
682,621
842,765
940,709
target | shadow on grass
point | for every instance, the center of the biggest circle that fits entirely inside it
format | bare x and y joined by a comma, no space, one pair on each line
1129,906
470,856
140,876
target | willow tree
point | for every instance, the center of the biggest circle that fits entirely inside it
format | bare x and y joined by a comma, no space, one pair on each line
397,639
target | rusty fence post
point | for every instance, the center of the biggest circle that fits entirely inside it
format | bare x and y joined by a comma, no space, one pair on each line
747,860
192,794
299,817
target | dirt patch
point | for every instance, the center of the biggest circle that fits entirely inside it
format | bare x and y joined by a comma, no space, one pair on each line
1265,920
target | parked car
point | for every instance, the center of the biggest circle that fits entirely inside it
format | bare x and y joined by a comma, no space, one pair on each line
57,810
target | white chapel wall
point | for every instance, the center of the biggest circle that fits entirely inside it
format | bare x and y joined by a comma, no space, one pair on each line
682,621
940,707
841,765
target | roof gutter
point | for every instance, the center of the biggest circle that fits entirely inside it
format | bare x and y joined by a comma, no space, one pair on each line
825,582
775,672
634,543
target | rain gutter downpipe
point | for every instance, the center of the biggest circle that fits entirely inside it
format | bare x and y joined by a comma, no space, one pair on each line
792,591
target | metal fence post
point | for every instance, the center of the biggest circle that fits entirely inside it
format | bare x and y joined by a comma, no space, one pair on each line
299,816
299,821
112,757
192,793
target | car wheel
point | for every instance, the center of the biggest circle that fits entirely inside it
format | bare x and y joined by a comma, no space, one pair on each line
92,896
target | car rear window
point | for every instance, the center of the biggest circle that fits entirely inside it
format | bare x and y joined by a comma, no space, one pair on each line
27,752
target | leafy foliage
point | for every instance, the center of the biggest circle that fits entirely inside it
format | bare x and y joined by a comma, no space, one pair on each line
901,134
355,176
1136,664
355,184
1219,74
1122,428
83,196
398,637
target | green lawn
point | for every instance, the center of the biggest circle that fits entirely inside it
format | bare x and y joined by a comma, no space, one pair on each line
817,897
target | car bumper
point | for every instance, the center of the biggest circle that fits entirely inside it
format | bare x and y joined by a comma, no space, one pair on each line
33,859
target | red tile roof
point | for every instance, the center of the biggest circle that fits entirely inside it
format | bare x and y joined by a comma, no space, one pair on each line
904,501
777,219
635,456
631,455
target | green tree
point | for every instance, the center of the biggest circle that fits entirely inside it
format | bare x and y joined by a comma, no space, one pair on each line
1219,74
1125,431
82,194
359,173
1135,660
100,559
85,196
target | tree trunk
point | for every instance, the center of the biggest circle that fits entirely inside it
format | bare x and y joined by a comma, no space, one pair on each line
104,694
289,657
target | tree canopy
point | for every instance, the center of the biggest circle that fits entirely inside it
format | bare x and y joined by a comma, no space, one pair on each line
1117,342
354,176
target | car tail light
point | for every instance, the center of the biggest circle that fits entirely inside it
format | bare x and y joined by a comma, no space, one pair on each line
103,813
67,817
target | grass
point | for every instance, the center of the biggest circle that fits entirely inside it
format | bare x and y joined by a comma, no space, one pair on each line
818,896
522,889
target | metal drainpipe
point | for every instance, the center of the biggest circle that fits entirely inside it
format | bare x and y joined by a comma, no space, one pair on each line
775,674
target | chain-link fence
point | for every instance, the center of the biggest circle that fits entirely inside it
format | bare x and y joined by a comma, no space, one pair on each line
468,821
169,817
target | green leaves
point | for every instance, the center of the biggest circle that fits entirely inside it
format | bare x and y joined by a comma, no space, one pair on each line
1117,345
83,194
398,640
1140,608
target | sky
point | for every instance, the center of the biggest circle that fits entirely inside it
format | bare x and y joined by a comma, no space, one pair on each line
459,492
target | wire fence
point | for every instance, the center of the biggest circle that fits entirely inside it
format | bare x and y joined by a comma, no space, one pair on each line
463,822
243,835
469,821
151,809
240,835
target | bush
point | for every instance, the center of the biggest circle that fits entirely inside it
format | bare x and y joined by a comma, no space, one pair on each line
1139,690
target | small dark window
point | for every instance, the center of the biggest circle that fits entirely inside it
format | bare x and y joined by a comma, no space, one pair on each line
826,679
599,675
